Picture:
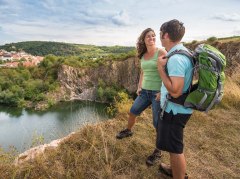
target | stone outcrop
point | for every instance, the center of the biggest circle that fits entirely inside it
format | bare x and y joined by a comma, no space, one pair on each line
81,83
32,153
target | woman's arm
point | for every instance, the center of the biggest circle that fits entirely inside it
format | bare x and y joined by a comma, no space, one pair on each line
162,52
140,83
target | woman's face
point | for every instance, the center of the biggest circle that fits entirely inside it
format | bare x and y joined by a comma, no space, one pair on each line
150,38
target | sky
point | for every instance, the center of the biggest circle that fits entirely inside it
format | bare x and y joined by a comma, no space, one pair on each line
113,22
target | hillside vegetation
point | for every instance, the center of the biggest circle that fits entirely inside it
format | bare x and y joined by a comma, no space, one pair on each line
26,87
19,86
38,87
43,48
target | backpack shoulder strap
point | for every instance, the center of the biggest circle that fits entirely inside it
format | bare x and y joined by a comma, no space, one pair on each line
189,54
180,100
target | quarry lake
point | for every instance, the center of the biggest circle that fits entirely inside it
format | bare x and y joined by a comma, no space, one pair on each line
22,129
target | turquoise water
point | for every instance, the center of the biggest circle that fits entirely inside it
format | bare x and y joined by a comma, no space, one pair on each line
22,129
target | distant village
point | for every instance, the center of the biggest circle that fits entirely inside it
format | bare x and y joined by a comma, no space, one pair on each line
12,59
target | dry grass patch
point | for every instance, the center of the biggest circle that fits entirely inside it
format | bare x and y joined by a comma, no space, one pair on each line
212,144
211,149
231,96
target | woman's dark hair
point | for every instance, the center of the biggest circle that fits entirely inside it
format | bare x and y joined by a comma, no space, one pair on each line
141,46
175,30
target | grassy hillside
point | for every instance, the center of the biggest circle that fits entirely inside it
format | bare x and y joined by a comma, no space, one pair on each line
213,39
43,48
229,39
211,147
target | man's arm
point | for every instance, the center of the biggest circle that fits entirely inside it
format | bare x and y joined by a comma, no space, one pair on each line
173,84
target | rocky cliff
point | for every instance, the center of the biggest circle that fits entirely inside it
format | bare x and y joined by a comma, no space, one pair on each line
81,83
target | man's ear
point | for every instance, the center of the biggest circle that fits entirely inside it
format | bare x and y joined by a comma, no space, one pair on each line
166,36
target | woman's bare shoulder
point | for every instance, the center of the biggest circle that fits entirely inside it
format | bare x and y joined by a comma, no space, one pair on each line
162,51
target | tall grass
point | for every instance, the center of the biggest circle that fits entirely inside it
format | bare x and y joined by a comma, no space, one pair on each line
211,147
231,96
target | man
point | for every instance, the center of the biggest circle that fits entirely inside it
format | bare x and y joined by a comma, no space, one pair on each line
176,74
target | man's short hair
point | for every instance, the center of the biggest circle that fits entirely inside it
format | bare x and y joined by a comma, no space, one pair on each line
175,30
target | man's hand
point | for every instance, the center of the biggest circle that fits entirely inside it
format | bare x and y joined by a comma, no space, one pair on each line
158,95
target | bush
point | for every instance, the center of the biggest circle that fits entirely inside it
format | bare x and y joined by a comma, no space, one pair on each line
212,39
106,92
111,110
123,103
21,103
194,41
110,93
100,93
39,97
51,102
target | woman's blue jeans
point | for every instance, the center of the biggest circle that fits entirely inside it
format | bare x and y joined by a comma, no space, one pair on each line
145,99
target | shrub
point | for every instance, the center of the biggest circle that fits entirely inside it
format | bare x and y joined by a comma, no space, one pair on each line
21,103
51,102
122,102
194,41
212,39
100,93
111,110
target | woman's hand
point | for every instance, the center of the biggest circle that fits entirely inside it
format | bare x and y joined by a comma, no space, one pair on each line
158,96
139,91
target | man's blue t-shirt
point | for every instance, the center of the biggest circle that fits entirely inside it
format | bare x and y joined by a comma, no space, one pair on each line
178,66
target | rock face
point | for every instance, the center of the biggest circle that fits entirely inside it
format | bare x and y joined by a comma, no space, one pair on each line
232,52
32,153
81,83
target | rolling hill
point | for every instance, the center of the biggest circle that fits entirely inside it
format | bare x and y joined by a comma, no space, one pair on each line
43,48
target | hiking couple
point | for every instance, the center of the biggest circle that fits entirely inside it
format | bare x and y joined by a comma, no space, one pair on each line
161,76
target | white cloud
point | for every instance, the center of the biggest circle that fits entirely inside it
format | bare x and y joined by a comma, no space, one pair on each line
122,18
110,22
227,17
49,5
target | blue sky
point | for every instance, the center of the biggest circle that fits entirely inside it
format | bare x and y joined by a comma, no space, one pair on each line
113,22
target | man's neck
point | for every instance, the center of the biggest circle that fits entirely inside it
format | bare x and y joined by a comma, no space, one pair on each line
171,45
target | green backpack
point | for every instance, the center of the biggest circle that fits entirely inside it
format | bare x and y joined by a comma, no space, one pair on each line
209,63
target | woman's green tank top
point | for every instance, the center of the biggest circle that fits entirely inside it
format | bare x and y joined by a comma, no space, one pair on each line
151,77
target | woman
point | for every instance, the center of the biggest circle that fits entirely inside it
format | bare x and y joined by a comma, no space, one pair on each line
148,87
